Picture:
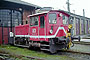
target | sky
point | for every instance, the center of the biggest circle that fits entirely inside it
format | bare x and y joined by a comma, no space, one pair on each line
76,6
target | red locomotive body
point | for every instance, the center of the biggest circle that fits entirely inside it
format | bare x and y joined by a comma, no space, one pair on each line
47,30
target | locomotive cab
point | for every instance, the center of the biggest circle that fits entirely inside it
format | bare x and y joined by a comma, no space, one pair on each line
51,24
49,29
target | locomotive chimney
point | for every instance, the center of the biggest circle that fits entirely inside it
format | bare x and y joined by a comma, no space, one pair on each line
83,12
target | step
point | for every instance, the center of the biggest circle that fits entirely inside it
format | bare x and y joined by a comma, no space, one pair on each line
45,49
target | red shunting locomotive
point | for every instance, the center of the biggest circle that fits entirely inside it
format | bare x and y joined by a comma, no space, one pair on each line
47,30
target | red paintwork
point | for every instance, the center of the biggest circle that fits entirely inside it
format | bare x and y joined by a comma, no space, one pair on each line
6,31
22,29
26,29
5,35
0,35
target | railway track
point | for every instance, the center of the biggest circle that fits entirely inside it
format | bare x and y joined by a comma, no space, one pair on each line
6,57
64,52
75,54
70,51
35,58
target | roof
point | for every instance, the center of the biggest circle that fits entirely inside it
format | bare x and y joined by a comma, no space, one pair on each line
23,3
72,14
45,12
46,8
39,13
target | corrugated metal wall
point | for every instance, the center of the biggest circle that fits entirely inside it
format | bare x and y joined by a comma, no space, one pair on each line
86,26
8,18
4,35
89,26
81,25
77,26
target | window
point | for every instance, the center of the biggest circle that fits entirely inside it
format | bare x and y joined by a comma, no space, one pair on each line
71,20
65,19
6,16
34,21
52,18
26,22
42,21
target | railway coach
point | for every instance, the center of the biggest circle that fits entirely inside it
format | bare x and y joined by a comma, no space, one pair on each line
49,31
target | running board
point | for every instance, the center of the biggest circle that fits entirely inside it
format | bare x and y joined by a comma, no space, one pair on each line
44,45
21,45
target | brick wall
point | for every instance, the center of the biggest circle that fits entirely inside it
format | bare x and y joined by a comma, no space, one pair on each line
25,14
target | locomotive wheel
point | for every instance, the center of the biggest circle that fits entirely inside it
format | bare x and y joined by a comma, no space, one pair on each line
52,50
29,46
52,47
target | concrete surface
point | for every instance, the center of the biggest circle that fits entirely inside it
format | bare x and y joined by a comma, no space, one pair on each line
84,40
81,48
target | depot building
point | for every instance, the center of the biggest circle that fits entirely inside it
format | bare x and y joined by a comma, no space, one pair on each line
13,13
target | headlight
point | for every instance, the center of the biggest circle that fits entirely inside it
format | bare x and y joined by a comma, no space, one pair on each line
51,31
11,34
68,29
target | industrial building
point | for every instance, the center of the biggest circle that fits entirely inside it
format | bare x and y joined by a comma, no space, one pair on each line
13,13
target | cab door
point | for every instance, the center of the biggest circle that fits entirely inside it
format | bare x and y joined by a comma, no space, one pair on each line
34,26
42,26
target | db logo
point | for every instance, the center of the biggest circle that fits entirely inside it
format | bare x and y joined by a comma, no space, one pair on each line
33,30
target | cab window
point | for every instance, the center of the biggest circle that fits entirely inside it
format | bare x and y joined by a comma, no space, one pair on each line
42,21
52,18
65,19
34,21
